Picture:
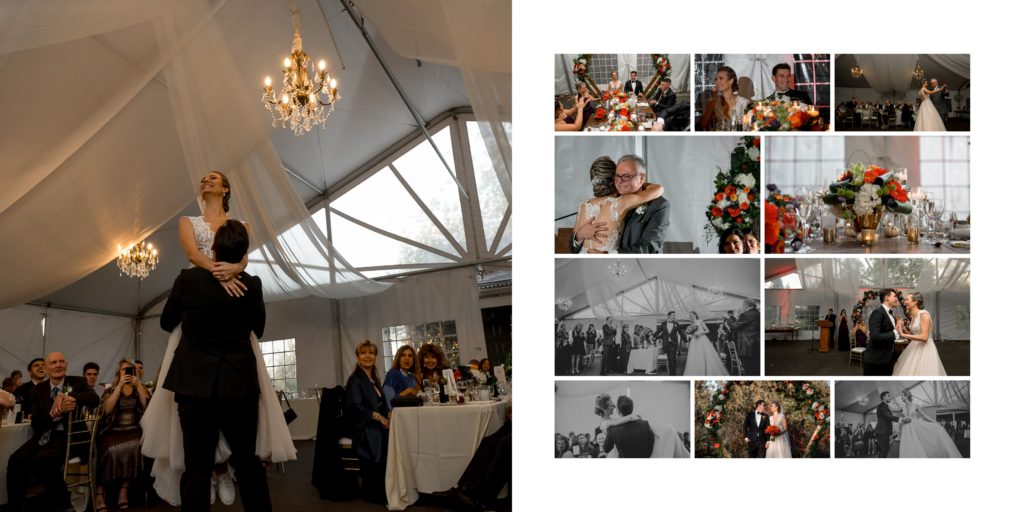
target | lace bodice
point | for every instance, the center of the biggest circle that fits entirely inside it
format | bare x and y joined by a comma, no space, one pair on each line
915,326
204,235
592,210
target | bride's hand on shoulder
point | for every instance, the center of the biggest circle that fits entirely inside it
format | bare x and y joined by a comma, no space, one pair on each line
224,271
234,287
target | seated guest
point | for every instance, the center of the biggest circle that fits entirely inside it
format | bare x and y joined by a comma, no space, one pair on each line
491,468
562,450
753,244
663,98
7,399
119,440
673,119
42,457
401,378
16,378
370,421
633,86
731,242
781,76
568,120
726,107
37,375
431,365
614,85
485,366
91,372
8,385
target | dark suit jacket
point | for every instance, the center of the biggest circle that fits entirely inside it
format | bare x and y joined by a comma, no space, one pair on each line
883,334
635,440
885,421
41,403
609,335
665,99
793,94
939,100
669,336
753,430
214,358
644,233
634,87
677,117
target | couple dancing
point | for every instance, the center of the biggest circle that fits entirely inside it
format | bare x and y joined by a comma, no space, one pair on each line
213,382
627,215
762,441
932,111
920,436
701,358
920,358
628,436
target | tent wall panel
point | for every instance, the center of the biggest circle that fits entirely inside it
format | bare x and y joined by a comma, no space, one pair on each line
309,322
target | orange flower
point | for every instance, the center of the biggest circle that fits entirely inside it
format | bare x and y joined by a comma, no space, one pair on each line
744,206
771,224
734,212
623,112
750,197
719,196
716,211
730,190
873,173
733,197
757,142
717,446
897,192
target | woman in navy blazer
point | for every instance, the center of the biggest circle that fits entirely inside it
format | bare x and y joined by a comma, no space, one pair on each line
370,418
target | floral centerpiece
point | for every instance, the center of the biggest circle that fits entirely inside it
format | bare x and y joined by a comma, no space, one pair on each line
601,113
580,66
781,115
735,203
622,124
777,225
863,193
661,63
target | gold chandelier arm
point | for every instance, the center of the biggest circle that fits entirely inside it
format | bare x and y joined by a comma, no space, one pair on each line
293,8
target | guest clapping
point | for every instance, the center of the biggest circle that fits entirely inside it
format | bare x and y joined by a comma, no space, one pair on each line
119,442
569,120
370,421
401,378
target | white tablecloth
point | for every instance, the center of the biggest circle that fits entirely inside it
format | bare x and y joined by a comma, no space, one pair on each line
11,438
645,359
308,409
429,447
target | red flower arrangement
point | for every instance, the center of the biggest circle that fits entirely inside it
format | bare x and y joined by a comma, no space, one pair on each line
600,113
773,431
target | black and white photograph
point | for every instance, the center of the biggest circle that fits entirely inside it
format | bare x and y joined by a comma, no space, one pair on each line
648,419
692,317
901,317
903,419
763,92
868,194
630,194
622,92
926,92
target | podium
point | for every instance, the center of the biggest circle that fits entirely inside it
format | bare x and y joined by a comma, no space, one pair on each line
823,326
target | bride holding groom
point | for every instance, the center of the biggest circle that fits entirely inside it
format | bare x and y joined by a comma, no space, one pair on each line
628,436
920,358
766,433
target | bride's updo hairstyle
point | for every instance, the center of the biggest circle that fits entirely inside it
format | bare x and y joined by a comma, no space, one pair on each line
909,395
602,403
918,299
778,406
731,75
602,176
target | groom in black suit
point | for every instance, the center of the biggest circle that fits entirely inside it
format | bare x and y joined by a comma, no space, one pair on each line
669,333
781,74
634,439
633,86
883,432
753,431
213,373
878,358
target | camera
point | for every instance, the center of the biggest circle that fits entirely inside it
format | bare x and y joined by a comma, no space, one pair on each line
130,370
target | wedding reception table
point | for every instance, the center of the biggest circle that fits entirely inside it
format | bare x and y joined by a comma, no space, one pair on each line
883,246
645,359
11,438
789,331
304,426
641,111
429,447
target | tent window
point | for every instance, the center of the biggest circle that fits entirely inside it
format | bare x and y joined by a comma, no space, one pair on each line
803,164
441,333
492,198
773,315
806,317
704,75
945,172
789,281
963,317
279,356
812,73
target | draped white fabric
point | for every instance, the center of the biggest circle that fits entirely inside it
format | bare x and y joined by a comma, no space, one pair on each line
158,87
758,68
957,63
887,73
941,395
685,166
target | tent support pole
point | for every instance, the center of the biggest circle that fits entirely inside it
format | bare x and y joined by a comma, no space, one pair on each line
360,24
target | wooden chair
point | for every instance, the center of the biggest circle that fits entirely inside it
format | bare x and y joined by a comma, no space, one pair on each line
737,364
856,353
662,363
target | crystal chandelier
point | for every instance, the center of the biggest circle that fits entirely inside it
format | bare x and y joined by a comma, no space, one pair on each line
564,305
308,95
137,261
618,269
918,72
856,72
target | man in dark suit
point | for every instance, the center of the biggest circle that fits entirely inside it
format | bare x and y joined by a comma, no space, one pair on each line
643,229
42,457
625,346
664,97
213,373
939,99
878,358
753,431
36,374
673,119
883,432
781,75
633,86
669,333
634,439
608,342
831,318
747,333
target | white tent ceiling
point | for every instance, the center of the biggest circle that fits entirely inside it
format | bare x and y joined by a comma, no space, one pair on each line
894,72
862,397
138,152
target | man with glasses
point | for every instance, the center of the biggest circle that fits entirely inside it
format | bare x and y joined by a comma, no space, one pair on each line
643,230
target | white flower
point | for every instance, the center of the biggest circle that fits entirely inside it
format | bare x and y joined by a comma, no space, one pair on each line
583,61
640,210
754,153
746,180
814,405
718,407
724,203
867,199
718,223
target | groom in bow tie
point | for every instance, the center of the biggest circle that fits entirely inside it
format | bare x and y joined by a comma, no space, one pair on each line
633,86
878,358
886,417
781,74
754,431
669,333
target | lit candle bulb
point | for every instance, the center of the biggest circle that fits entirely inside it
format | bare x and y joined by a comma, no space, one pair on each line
322,64
334,84
287,62
284,99
267,82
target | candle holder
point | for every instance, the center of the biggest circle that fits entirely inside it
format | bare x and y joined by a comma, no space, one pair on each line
867,237
913,234
828,235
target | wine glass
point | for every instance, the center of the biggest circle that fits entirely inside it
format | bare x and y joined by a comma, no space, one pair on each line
935,215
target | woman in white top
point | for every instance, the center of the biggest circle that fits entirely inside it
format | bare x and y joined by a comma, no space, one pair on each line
614,85
779,447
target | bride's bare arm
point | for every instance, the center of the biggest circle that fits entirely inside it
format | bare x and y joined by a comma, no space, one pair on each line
649,192
784,424
225,272
926,328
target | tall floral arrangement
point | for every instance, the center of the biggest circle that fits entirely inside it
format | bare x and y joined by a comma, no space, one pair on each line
581,66
661,63
865,189
735,202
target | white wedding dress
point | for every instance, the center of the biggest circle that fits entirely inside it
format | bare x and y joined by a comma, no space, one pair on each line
924,438
161,427
928,118
667,444
779,448
702,358
591,211
920,358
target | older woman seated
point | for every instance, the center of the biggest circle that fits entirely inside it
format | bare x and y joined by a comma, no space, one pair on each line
431,365
401,378
370,421
119,442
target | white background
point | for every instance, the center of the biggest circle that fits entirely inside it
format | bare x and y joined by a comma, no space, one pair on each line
989,33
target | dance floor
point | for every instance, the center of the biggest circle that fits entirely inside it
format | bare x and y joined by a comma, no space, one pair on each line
792,358
952,125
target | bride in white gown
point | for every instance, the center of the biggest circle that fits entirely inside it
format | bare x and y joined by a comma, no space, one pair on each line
161,428
667,444
928,118
608,206
702,357
923,437
779,448
920,358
